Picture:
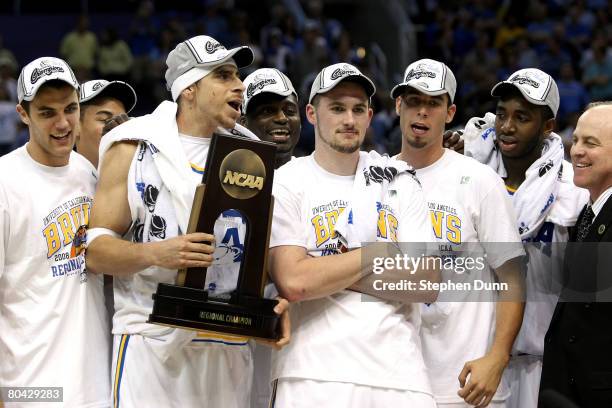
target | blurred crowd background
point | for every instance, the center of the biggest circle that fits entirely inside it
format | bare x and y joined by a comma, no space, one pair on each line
483,41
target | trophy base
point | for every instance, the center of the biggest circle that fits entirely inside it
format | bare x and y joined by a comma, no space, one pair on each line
192,309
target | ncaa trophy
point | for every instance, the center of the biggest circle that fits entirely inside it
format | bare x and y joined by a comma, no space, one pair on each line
238,175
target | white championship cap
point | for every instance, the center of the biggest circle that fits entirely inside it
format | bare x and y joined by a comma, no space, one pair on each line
115,89
42,70
429,77
195,58
536,86
332,75
266,80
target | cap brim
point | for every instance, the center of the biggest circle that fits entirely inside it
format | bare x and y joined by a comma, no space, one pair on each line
118,90
243,56
503,87
365,82
400,88
283,94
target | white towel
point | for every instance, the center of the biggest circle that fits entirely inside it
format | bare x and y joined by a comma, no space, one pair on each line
479,138
375,175
159,130
535,197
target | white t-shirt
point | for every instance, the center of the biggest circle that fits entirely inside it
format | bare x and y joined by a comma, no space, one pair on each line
53,325
545,266
347,336
468,203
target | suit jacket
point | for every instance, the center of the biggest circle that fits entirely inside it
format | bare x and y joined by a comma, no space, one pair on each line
578,344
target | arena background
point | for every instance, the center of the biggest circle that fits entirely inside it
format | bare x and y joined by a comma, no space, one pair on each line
483,41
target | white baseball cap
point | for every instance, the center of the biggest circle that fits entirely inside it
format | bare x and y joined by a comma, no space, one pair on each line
195,58
42,70
429,77
536,86
115,89
266,80
332,75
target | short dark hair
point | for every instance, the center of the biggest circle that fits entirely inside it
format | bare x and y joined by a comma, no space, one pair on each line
315,101
84,107
97,101
54,83
546,112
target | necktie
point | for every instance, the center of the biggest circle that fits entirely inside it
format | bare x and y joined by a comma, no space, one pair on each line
585,224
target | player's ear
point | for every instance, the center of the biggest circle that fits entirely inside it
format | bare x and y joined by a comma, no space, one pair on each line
25,118
450,113
310,114
242,120
188,94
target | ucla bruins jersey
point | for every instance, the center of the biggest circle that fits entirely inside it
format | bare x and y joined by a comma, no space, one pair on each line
344,337
51,309
467,204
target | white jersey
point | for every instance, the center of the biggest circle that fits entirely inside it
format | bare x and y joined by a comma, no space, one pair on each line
345,337
53,324
220,364
546,264
468,203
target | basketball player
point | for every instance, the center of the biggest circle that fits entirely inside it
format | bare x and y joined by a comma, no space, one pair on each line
271,111
348,349
52,315
468,204
100,101
529,157
139,218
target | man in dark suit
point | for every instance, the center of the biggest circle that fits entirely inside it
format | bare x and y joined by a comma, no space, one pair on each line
578,345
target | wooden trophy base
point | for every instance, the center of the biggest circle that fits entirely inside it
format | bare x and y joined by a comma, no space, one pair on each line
192,309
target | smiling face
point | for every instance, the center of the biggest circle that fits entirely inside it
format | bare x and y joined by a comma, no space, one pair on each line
52,120
341,117
275,118
520,126
218,97
591,150
94,115
423,119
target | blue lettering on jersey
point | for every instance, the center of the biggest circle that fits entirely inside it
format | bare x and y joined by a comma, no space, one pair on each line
545,234
231,241
544,238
